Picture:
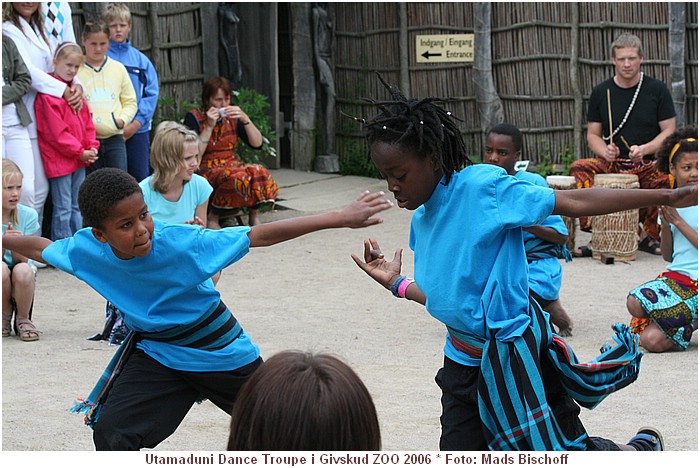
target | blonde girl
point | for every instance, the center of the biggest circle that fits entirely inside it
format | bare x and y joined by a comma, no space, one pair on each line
67,142
18,283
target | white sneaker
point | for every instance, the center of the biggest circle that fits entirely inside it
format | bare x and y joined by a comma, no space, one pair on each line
40,265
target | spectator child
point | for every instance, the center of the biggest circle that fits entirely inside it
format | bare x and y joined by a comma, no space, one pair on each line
109,94
18,282
665,310
145,81
303,401
189,345
67,143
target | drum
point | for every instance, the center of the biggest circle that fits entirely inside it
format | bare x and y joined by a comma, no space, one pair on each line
565,183
615,233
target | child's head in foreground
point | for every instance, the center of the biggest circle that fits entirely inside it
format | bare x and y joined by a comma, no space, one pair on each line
414,143
678,156
174,155
112,204
303,401
117,16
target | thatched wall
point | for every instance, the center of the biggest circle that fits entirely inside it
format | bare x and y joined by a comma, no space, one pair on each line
532,63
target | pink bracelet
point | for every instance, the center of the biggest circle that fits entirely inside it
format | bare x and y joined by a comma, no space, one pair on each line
404,286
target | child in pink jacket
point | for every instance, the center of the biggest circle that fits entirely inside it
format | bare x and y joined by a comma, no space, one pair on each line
67,143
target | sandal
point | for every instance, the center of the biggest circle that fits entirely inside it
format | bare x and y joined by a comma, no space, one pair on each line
26,330
649,245
583,251
6,328
647,439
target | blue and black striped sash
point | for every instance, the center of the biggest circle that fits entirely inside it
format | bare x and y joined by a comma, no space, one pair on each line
212,331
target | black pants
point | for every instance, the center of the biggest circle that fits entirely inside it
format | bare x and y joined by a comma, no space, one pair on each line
149,401
460,420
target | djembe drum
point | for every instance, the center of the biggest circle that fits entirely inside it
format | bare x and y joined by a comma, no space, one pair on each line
615,233
565,183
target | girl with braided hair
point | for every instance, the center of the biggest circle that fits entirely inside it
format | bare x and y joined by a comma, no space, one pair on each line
508,382
665,310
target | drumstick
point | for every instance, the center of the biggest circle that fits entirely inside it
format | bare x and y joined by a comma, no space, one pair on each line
625,142
610,117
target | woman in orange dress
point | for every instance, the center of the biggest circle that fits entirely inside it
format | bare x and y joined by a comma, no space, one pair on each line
220,126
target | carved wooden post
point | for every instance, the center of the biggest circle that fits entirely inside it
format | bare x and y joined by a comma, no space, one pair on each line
676,48
304,118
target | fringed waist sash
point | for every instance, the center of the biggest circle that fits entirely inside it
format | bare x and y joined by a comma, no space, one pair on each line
213,331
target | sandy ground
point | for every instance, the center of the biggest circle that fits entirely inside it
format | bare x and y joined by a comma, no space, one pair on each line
308,294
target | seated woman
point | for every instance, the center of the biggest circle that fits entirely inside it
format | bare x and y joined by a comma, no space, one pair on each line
236,184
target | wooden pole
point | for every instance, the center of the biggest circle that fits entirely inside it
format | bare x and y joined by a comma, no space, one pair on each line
676,48
573,76
403,49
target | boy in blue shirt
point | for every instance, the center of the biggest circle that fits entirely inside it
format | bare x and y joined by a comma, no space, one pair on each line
544,243
145,80
186,344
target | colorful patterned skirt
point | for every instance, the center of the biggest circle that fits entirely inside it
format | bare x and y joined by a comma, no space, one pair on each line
238,185
671,300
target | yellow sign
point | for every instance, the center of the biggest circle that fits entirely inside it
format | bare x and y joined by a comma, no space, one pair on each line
435,48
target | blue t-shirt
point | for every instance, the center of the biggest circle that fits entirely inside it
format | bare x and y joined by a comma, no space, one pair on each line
28,224
545,274
685,255
168,287
469,254
194,193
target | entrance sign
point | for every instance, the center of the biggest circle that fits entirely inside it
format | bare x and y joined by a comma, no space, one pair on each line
445,48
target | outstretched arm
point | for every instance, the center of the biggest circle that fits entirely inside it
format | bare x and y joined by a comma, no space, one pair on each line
600,201
358,214
27,246
384,272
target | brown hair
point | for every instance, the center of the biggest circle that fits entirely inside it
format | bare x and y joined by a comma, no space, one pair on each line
626,40
10,14
304,401
212,86
95,27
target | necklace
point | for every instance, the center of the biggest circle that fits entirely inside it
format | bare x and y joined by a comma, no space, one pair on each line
629,109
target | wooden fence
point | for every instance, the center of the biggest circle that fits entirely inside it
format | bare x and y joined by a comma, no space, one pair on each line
535,74
542,80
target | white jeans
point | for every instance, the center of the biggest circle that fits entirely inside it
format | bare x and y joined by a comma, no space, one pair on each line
18,147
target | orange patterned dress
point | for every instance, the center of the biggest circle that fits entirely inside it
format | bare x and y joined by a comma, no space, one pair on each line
236,184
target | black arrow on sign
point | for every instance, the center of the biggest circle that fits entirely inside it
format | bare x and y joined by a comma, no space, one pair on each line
427,55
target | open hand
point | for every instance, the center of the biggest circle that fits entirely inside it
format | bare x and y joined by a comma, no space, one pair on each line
684,196
359,213
376,266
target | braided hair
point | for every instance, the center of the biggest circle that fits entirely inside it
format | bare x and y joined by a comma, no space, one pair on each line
685,138
418,125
